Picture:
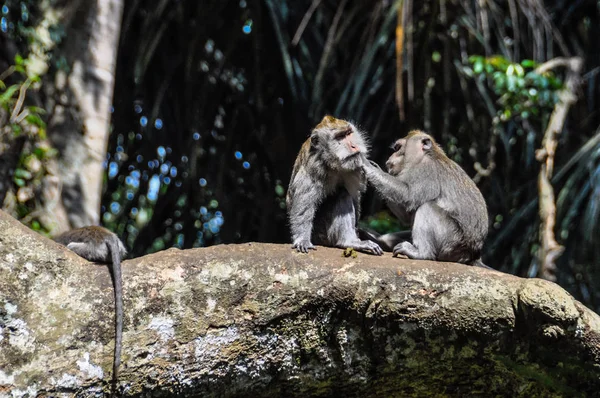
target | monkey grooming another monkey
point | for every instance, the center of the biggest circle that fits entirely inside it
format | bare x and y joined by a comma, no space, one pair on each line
449,214
98,244
323,198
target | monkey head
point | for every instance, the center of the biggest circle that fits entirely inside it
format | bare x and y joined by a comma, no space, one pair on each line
340,143
411,150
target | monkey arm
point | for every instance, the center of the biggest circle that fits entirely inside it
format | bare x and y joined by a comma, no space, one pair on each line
306,194
410,189
392,189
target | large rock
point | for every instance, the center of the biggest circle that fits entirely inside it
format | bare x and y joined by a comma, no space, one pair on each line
261,320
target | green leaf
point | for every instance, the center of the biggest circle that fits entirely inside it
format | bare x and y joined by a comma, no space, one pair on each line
17,130
519,70
22,173
7,95
18,59
35,120
528,63
511,83
478,67
499,82
37,110
475,58
42,135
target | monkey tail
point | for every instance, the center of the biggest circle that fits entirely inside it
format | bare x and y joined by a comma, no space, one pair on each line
113,245
479,263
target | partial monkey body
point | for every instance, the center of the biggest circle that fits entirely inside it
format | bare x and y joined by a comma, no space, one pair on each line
98,244
448,213
323,198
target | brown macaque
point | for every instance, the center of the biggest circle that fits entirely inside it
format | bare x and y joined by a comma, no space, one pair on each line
448,213
323,198
98,244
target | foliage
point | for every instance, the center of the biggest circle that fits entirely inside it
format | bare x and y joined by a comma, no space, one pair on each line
24,124
522,92
22,120
383,222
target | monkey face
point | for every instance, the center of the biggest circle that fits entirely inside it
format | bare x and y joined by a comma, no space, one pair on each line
340,143
395,162
350,146
410,151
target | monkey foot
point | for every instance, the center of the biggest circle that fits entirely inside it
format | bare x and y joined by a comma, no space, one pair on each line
304,246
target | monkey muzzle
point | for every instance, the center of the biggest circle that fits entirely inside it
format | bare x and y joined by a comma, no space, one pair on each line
393,165
353,161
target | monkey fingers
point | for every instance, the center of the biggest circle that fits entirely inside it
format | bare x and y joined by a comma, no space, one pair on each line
406,250
376,249
367,245
303,246
374,164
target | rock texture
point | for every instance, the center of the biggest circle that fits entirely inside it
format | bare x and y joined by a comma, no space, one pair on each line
261,320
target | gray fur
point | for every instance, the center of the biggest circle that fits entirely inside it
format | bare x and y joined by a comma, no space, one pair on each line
323,198
101,245
450,221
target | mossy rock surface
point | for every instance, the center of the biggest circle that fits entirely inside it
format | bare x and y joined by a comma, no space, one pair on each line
261,320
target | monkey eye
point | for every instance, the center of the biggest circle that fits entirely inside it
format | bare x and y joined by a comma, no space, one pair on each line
344,133
395,146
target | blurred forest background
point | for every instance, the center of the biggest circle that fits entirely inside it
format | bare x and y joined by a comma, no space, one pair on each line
176,122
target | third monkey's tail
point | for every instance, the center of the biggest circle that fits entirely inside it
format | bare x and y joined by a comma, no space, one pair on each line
118,289
479,263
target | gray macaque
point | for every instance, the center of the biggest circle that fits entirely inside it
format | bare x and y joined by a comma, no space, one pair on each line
323,198
448,213
98,244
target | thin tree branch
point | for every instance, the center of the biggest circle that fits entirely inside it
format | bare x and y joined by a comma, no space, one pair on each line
304,22
550,250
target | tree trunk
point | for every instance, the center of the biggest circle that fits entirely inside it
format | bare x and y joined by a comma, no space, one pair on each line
79,101
261,320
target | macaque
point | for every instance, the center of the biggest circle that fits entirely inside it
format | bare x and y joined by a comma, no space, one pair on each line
448,213
98,244
323,198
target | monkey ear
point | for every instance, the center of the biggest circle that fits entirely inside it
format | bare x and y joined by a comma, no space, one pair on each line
426,144
314,140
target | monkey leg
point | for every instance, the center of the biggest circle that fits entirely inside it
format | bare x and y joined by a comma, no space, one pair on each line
335,225
433,232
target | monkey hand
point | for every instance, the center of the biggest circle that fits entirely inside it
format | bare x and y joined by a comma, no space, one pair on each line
374,164
365,245
303,245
